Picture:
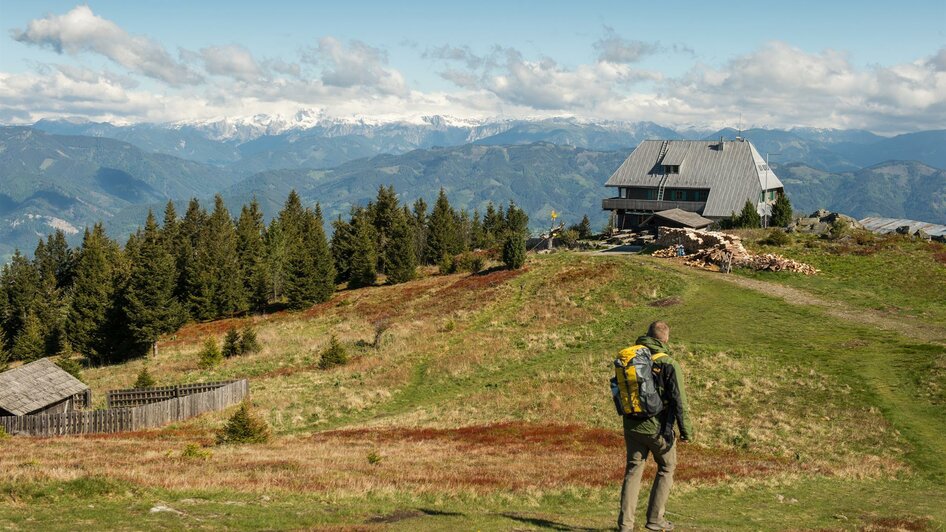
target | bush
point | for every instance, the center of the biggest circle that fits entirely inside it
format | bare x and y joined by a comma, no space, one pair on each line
569,238
194,451
244,427
334,355
514,251
70,366
231,343
248,341
144,380
210,355
776,237
838,229
470,261
446,265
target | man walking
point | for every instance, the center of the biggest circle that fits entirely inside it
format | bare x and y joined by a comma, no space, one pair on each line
655,435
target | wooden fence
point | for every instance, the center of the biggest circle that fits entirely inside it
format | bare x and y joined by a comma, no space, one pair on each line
145,416
146,396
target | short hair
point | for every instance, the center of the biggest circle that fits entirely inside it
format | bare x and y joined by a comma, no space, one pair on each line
659,330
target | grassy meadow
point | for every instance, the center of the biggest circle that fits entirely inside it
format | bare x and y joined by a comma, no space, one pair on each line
480,402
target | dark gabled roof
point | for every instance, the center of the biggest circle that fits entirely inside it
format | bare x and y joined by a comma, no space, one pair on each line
732,174
33,386
684,218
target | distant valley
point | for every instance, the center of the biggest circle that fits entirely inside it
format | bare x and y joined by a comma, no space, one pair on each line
68,174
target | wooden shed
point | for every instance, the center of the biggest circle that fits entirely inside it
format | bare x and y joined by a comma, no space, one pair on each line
40,387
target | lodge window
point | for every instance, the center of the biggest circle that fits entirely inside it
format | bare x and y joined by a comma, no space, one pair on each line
671,168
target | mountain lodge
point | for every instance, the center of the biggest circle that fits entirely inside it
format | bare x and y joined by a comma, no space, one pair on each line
712,179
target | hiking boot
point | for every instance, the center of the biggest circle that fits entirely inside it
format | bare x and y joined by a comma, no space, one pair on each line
666,525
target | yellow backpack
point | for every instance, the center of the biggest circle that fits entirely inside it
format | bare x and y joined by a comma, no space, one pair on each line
634,385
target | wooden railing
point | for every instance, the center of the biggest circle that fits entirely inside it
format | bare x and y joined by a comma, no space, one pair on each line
220,395
146,396
642,205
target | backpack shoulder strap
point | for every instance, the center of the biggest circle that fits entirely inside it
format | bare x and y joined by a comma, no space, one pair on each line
657,356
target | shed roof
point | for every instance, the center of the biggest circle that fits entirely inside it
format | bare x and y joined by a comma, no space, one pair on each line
733,174
685,218
889,225
33,386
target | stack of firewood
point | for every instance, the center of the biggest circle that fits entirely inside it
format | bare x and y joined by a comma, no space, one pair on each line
666,253
778,263
720,257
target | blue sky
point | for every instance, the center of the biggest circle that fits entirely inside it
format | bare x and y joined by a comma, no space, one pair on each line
872,65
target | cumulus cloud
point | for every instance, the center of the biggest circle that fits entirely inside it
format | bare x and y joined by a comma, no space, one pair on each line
81,30
541,83
938,61
784,85
233,61
355,65
614,49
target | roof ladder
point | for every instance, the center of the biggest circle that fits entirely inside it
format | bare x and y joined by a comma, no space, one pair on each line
662,187
663,179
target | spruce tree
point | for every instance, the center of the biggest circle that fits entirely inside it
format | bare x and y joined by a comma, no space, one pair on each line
322,255
464,231
29,344
364,257
419,222
493,226
441,231
249,343
22,289
144,380
251,252
276,259
401,260
310,268
384,213
514,250
195,282
171,228
476,231
4,352
229,292
49,305
209,355
343,244
781,211
749,217
231,343
93,293
517,221
150,306
584,228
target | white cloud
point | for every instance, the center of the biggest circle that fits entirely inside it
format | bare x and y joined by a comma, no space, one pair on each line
81,30
357,65
614,49
781,85
542,83
233,61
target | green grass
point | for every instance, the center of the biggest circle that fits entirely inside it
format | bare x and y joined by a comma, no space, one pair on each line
803,504
855,414
890,273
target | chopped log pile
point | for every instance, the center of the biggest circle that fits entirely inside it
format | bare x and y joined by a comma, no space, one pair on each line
721,251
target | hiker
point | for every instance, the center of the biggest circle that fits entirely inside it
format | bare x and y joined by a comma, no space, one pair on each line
646,433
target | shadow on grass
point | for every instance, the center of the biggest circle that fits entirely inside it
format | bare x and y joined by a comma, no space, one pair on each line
548,524
401,515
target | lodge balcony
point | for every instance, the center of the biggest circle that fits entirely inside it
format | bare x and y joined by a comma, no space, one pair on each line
642,205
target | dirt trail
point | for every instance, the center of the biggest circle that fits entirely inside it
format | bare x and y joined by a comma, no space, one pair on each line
912,329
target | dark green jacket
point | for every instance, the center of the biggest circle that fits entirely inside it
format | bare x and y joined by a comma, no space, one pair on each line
670,385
